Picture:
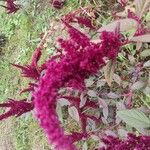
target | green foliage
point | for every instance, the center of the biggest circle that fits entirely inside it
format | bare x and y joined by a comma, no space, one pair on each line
134,118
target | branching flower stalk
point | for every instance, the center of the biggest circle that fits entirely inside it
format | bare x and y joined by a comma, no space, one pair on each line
81,59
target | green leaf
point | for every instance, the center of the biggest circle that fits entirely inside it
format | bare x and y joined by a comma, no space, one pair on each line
63,102
147,17
134,118
92,93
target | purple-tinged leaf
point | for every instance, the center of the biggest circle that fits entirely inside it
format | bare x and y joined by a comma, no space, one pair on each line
120,105
122,133
118,120
141,38
100,83
91,125
144,109
102,103
144,131
111,133
104,120
63,102
125,25
113,95
105,112
131,59
83,100
89,82
138,46
117,78
138,85
73,112
92,93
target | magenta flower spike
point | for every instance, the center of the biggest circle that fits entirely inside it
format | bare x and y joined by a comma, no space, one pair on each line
17,108
131,142
28,71
11,6
81,59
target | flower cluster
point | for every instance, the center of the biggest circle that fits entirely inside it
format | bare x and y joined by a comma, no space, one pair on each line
132,142
58,4
87,22
31,71
11,7
123,2
17,108
80,59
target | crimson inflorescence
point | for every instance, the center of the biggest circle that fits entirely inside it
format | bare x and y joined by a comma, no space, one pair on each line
80,59
17,108
11,7
132,142
58,4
